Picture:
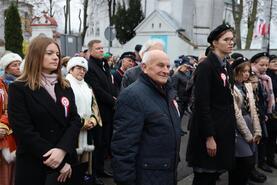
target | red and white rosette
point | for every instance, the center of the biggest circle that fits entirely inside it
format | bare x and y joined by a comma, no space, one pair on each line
223,77
176,106
65,103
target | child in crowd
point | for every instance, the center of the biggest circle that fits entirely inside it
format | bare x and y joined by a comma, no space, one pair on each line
248,129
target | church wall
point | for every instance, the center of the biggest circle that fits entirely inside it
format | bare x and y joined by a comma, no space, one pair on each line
188,17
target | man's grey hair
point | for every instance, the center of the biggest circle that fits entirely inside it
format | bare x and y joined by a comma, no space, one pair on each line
148,56
150,43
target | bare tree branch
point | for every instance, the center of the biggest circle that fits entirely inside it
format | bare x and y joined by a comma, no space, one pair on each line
85,26
80,20
250,24
237,10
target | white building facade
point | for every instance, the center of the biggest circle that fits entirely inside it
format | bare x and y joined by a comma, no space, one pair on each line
190,22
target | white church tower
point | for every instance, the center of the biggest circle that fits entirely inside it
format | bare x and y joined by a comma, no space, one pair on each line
182,24
196,17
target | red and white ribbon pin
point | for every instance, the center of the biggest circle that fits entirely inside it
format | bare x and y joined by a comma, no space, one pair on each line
65,103
176,107
223,77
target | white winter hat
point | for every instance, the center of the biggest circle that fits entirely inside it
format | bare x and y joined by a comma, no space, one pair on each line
9,58
77,61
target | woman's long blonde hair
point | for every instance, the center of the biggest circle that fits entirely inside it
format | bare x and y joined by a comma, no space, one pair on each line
33,64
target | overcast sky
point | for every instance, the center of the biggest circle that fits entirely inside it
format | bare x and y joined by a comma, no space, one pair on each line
42,5
75,6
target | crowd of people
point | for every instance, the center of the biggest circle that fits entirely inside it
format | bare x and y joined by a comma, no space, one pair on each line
63,117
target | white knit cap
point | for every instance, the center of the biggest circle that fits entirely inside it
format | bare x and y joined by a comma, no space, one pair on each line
9,58
77,61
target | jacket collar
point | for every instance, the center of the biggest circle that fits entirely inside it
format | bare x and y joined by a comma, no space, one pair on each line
96,60
165,91
226,69
43,98
147,80
101,63
214,60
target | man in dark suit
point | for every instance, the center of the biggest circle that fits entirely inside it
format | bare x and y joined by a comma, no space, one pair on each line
101,81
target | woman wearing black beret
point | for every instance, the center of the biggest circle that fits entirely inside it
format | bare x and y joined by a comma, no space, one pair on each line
211,144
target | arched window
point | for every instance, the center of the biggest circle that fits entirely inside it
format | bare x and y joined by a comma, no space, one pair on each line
92,31
97,33
97,30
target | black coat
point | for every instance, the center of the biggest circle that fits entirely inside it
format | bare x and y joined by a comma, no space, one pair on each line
118,75
102,84
213,115
179,82
272,123
146,138
130,76
39,124
273,77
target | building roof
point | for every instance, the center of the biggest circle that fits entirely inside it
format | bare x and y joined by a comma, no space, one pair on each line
44,20
164,15
23,3
170,20
228,1
170,25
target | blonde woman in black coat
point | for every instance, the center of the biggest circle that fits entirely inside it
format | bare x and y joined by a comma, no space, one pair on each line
212,134
44,118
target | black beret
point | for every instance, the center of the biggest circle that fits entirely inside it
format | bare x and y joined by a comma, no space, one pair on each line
238,61
217,31
259,55
183,60
138,47
272,57
236,55
128,54
193,57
